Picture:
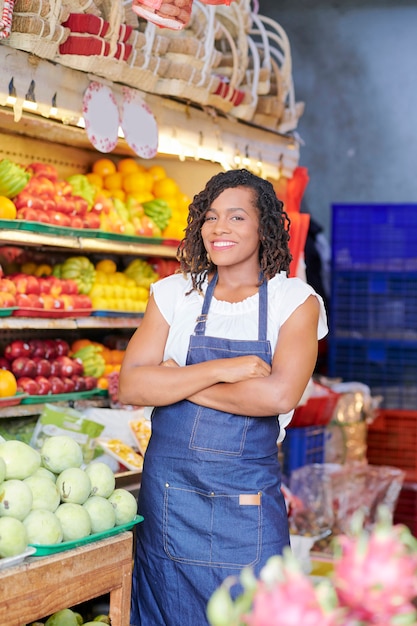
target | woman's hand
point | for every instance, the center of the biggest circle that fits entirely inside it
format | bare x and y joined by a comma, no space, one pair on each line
237,369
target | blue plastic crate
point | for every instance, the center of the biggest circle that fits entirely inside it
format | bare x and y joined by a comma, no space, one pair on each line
374,236
302,446
374,304
389,367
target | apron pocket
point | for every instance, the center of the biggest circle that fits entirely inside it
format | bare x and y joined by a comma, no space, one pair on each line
218,432
210,529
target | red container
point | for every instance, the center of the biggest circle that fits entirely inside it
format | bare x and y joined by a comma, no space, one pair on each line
392,440
317,411
406,509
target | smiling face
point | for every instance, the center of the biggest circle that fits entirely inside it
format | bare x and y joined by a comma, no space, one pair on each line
230,230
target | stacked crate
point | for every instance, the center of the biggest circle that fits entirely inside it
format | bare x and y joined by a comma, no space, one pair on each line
373,323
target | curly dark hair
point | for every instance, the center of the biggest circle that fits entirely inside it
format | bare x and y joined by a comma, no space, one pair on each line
274,223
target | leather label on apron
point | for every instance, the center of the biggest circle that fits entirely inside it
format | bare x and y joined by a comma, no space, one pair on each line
251,499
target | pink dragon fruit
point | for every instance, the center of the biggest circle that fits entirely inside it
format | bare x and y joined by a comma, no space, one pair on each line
283,596
290,603
375,574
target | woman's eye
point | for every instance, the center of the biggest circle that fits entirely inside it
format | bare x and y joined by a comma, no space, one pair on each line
209,218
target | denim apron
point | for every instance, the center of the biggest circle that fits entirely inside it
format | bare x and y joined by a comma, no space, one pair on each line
210,494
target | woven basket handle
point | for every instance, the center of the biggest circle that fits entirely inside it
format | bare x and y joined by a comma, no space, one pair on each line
209,14
234,78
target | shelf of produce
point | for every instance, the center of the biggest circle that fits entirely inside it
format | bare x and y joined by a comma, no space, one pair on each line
47,241
44,585
69,323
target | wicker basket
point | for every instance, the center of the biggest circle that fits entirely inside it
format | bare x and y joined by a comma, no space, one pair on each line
247,108
39,32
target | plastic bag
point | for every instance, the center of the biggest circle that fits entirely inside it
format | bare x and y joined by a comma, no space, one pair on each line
332,493
55,420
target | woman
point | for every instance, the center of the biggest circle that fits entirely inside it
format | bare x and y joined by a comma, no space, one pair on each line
224,348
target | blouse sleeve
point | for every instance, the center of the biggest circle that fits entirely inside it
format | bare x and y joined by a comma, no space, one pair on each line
169,292
295,293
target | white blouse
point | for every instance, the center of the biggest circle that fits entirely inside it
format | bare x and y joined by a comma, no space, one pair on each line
234,320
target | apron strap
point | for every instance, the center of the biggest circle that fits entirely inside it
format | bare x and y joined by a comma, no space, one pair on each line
200,327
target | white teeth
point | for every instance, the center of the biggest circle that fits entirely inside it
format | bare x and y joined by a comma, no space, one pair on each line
222,244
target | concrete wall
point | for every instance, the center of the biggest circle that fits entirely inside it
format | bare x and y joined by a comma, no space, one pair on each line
355,67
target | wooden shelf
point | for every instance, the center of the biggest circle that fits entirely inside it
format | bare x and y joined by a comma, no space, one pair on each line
43,585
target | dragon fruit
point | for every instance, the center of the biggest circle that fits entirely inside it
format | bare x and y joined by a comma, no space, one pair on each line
375,573
374,583
283,596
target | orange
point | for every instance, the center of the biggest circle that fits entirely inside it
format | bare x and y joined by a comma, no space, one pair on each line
157,172
8,384
127,166
103,167
113,181
165,187
137,182
95,179
103,383
7,209
80,343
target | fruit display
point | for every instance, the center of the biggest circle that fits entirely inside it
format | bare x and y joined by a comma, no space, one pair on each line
43,367
48,293
47,497
122,197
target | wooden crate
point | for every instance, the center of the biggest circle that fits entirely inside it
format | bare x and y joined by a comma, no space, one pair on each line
43,585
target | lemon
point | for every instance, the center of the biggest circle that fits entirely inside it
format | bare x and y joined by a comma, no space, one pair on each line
107,266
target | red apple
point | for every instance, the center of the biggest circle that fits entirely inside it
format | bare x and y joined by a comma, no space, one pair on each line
28,214
91,220
45,170
57,386
56,367
66,366
4,363
34,301
27,199
62,347
78,367
37,348
77,222
32,284
23,301
41,185
90,382
43,367
82,301
80,205
58,218
79,383
69,286
17,348
43,216
24,366
44,385
50,349
69,384
65,204
28,385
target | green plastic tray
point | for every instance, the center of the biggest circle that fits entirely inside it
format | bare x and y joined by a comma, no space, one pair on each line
7,312
60,397
44,550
